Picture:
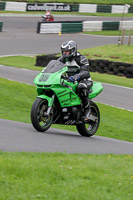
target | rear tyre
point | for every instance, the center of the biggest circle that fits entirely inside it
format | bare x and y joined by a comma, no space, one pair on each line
90,127
40,121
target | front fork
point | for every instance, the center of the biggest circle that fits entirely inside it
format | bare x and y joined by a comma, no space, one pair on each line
51,105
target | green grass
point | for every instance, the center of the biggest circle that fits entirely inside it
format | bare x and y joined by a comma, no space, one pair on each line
113,52
58,176
26,62
115,2
17,99
112,79
110,52
108,33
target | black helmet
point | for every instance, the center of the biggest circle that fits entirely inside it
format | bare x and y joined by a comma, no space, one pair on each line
69,46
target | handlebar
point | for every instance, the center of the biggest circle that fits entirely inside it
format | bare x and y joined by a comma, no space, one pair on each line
64,77
67,79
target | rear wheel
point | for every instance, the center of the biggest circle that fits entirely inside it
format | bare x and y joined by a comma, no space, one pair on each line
40,121
90,127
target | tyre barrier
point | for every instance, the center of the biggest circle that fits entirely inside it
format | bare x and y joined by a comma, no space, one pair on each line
60,27
63,7
107,25
43,60
101,66
1,26
111,67
82,26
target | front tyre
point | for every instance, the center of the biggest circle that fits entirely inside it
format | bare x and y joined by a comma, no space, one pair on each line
90,127
40,121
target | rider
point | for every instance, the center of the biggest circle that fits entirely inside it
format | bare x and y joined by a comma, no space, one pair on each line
71,57
48,16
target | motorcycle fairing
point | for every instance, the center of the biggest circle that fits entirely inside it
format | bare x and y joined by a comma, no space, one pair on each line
50,100
50,79
97,88
66,95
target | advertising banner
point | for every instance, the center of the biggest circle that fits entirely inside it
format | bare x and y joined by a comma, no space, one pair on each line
48,6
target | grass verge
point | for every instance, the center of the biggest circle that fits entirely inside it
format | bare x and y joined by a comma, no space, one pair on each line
108,33
110,52
112,79
26,62
104,2
28,176
17,99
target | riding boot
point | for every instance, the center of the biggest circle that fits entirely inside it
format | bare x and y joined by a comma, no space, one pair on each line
84,95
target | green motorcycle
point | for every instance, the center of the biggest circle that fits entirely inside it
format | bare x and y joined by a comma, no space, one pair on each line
59,103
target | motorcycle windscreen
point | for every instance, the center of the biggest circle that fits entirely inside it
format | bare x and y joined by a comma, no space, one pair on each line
53,66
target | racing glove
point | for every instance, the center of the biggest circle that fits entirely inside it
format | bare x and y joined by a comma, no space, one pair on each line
74,78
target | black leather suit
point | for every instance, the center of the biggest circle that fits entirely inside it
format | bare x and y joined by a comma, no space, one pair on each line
84,79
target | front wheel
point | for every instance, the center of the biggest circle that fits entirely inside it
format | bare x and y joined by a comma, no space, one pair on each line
90,128
40,121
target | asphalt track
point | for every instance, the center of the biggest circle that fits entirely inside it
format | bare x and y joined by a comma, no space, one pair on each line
21,137
19,37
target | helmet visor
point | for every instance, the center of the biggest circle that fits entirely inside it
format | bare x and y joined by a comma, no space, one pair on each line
66,52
